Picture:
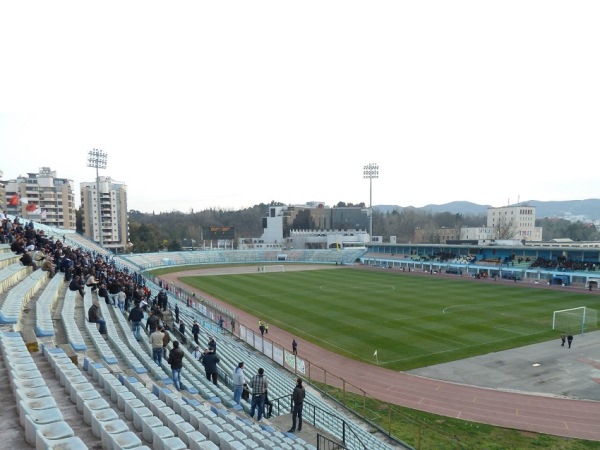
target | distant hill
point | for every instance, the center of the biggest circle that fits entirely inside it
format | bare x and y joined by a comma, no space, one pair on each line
589,208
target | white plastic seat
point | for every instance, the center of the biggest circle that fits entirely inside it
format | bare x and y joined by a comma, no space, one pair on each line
116,435
93,405
184,429
127,440
86,396
139,416
99,417
130,405
148,425
71,443
51,432
195,438
25,406
159,434
35,418
171,443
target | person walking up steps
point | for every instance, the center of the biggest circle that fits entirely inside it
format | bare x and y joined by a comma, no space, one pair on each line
176,362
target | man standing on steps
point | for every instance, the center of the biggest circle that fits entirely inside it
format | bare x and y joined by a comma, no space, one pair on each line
176,362
238,383
166,340
196,331
210,361
297,403
156,340
259,386
162,300
152,322
135,317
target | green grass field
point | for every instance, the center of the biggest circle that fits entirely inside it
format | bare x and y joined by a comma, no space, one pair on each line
412,321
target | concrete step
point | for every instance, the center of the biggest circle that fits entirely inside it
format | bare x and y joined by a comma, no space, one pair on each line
68,409
13,436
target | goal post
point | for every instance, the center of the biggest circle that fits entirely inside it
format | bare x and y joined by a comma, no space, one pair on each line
272,268
574,319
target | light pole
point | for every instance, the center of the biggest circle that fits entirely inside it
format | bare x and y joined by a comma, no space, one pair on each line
371,171
97,159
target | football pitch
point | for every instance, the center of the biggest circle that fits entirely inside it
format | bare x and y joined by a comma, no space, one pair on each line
412,321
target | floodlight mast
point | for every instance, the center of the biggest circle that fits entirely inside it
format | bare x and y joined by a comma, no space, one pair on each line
371,171
97,158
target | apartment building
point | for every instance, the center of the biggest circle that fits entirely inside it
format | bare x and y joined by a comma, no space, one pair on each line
105,219
42,197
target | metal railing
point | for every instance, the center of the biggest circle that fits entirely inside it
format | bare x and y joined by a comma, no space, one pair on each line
322,419
324,443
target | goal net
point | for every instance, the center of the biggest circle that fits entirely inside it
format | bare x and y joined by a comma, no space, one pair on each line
574,320
272,268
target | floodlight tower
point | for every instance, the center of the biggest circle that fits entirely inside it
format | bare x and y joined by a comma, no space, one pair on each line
97,158
371,171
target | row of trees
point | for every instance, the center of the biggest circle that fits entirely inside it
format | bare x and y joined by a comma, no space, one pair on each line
174,230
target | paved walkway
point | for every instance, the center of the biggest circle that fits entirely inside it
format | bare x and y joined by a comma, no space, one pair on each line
504,389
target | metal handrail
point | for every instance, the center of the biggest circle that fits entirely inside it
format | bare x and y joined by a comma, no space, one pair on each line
317,414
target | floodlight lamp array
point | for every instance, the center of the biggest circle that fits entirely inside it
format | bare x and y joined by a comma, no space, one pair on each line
371,171
97,158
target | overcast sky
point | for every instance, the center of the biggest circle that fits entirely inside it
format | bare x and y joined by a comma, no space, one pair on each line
229,104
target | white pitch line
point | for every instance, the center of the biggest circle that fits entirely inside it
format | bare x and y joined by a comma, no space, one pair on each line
453,306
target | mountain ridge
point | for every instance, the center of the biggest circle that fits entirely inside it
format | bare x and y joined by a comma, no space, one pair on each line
589,208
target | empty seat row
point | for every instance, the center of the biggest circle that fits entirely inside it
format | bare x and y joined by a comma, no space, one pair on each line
19,294
39,415
68,319
44,325
11,275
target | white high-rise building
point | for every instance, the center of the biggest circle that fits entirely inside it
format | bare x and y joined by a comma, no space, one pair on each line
106,222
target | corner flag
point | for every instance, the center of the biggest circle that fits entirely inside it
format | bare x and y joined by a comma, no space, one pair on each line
375,354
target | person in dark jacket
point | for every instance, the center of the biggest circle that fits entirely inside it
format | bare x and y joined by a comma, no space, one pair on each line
162,300
77,285
212,344
103,293
176,313
27,260
176,363
152,322
113,290
95,316
297,403
210,361
182,332
66,266
135,317
196,332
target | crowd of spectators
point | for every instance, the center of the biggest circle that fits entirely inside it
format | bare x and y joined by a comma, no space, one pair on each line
120,288
562,264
